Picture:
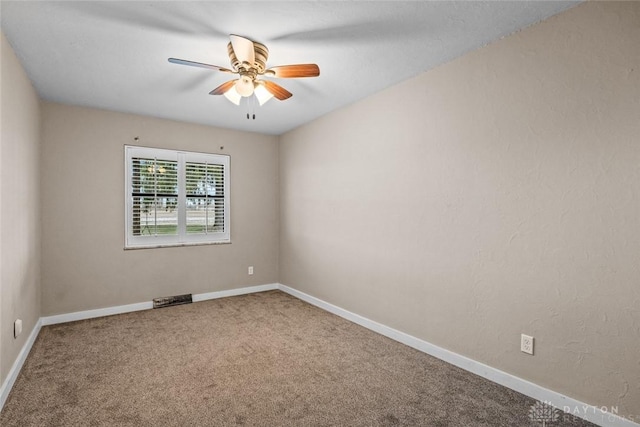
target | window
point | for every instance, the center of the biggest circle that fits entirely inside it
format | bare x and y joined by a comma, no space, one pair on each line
175,198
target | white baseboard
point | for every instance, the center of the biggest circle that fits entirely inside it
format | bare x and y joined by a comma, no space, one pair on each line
7,385
579,409
119,309
234,292
91,314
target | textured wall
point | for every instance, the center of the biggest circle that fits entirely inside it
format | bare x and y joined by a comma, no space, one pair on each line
19,206
495,195
84,265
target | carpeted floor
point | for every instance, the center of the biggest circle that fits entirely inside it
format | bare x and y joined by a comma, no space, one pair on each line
264,359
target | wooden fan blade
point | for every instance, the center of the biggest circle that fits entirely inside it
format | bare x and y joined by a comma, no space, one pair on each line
199,64
220,90
293,71
276,90
243,48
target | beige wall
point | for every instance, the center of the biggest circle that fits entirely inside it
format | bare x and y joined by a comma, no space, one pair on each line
84,265
495,195
19,206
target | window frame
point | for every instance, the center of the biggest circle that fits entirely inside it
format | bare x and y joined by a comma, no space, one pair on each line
182,238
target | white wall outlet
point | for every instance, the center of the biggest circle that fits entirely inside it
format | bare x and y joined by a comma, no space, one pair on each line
17,328
526,344
251,270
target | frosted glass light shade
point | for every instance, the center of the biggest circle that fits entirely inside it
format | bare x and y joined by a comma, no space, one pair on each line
262,93
233,95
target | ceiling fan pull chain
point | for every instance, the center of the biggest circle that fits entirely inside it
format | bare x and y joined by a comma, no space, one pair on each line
253,105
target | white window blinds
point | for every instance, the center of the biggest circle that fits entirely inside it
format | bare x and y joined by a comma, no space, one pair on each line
175,197
154,195
205,197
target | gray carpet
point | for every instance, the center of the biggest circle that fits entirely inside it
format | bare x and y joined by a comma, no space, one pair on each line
264,359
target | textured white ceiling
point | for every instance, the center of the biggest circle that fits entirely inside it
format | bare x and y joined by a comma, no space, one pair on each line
113,55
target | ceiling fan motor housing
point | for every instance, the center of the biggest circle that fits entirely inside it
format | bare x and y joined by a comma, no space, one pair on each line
260,64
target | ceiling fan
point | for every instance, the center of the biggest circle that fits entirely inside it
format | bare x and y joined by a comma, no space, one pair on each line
248,60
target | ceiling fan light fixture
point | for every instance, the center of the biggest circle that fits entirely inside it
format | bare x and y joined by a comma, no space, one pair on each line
244,86
262,93
233,95
248,60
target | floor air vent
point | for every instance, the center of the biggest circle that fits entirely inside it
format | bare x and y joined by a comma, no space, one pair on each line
174,300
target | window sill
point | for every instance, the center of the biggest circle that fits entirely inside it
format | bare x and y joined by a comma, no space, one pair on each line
175,245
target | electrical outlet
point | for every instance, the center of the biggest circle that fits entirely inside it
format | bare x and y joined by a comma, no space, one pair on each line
251,270
526,344
17,328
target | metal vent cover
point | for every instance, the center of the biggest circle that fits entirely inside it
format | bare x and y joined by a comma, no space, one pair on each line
173,300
